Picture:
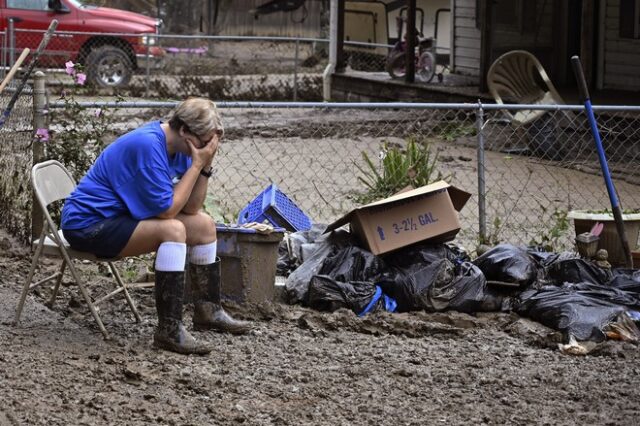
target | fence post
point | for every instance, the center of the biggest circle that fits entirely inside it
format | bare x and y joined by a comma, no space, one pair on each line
147,70
37,147
5,47
482,219
12,42
295,72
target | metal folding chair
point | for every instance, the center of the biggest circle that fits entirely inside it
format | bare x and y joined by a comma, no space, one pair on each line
52,182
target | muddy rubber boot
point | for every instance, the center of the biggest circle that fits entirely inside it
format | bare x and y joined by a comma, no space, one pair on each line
171,334
208,313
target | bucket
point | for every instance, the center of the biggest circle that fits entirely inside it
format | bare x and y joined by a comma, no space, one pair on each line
248,263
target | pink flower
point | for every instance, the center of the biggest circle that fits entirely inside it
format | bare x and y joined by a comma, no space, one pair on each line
80,78
98,113
42,135
70,68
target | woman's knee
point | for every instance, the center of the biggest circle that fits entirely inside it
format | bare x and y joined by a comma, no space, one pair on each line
173,230
201,228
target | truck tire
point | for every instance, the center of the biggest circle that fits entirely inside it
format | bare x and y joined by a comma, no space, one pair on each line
109,66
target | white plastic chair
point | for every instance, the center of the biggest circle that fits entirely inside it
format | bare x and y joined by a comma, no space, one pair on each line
518,76
52,182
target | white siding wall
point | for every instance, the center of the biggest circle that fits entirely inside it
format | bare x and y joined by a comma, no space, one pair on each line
466,39
621,56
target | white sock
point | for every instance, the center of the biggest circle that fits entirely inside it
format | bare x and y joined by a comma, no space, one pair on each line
171,256
204,254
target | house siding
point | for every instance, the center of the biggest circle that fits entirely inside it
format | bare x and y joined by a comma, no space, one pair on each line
466,39
621,55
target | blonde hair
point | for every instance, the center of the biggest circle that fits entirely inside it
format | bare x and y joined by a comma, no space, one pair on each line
199,116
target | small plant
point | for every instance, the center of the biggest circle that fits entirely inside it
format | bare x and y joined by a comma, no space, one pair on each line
454,130
415,166
493,238
550,240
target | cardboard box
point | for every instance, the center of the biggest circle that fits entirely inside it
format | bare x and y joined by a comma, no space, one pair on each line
426,213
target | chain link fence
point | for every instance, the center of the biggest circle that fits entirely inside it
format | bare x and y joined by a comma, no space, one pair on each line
524,176
16,144
219,67
234,68
176,66
526,166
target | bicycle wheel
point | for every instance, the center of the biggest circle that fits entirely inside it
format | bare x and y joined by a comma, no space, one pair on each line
396,65
426,68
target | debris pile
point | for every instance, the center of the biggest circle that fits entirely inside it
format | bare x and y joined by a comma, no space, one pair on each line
584,301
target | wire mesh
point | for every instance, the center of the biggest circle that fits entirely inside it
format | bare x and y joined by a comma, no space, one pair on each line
16,139
176,66
545,164
536,169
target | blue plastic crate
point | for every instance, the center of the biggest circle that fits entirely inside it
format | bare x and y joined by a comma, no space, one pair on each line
274,206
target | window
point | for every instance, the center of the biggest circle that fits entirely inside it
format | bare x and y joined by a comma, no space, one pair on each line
28,4
629,18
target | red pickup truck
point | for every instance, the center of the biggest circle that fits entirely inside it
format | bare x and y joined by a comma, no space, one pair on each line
110,43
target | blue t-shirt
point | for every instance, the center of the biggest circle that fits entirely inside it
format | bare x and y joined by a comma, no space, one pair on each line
133,176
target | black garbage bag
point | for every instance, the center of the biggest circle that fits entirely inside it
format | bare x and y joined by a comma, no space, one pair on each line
327,294
577,271
546,258
441,286
410,287
352,264
417,256
466,292
508,263
626,279
580,310
295,246
297,284
610,294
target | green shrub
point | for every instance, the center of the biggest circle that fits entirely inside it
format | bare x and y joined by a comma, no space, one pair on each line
414,166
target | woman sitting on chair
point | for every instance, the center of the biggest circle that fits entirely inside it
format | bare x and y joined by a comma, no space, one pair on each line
143,194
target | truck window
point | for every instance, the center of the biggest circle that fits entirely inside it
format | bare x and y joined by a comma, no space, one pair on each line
28,4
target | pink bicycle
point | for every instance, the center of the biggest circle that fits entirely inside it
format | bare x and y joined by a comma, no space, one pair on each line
425,57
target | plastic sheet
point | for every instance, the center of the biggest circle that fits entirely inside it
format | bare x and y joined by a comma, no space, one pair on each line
297,284
508,263
296,247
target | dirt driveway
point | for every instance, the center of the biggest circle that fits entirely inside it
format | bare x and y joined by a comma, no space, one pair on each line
298,367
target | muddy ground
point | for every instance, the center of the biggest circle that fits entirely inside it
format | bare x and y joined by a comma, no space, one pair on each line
296,367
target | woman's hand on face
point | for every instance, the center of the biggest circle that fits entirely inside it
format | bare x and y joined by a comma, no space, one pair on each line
202,153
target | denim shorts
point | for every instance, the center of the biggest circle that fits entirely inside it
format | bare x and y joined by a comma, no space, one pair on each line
105,239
